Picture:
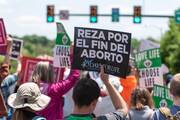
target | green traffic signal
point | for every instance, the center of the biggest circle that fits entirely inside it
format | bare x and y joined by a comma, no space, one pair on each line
50,18
115,14
137,19
115,18
177,16
50,13
93,14
137,14
93,19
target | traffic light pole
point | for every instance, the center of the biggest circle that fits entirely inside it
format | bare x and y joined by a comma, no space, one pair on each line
121,15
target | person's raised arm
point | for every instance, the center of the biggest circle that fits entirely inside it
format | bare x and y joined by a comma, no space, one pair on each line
19,66
8,50
18,72
63,86
116,98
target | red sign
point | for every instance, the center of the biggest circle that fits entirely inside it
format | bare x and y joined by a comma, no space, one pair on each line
2,33
28,65
3,109
3,43
3,50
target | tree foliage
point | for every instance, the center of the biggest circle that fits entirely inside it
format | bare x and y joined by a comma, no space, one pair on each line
37,45
170,47
135,43
33,46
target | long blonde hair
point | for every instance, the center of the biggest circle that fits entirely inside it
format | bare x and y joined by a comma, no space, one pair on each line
43,72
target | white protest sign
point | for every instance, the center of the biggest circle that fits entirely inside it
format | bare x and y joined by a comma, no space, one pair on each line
16,48
148,63
61,56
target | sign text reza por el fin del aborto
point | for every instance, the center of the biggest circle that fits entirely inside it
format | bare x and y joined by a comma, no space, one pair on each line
94,47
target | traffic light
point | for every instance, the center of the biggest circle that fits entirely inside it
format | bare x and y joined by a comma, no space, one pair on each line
115,14
50,13
93,14
177,16
137,14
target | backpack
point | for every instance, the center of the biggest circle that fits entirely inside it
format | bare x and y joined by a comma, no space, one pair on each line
167,114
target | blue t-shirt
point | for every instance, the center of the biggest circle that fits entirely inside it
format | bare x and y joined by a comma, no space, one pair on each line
159,116
5,88
6,84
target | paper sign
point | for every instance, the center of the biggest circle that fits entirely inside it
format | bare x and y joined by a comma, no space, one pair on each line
16,48
149,65
62,37
28,65
62,56
161,97
3,43
3,50
93,47
2,33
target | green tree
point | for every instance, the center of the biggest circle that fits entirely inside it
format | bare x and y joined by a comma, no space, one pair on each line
135,43
170,47
35,45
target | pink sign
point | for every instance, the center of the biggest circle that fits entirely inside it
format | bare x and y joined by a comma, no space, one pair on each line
2,33
28,65
3,43
3,50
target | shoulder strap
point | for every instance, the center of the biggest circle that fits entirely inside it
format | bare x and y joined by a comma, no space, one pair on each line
129,114
38,118
166,112
176,116
150,116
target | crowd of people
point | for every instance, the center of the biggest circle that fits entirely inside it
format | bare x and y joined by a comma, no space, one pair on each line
41,98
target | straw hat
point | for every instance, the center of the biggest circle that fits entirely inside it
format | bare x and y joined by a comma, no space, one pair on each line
28,95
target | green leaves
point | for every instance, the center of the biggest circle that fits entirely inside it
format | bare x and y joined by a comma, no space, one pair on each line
170,47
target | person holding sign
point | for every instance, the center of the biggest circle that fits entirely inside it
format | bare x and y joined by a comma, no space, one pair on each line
6,80
43,76
85,96
129,83
174,112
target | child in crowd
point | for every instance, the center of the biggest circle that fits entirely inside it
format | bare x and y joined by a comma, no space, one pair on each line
141,105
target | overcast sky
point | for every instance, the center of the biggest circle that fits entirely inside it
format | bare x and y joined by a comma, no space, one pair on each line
23,17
